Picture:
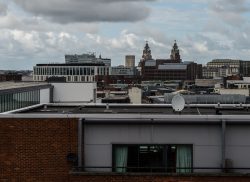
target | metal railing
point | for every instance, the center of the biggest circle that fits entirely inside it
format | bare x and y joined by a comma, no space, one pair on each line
165,170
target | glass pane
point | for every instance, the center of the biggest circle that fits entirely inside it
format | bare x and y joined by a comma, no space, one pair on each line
184,159
121,156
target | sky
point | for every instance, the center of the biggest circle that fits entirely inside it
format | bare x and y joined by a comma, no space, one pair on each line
43,31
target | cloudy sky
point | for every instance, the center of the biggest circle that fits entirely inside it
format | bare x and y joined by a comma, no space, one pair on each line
43,31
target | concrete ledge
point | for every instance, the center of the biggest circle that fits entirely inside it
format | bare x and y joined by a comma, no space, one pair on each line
160,174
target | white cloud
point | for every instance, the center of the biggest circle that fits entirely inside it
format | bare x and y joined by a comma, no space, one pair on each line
201,47
229,11
125,40
205,30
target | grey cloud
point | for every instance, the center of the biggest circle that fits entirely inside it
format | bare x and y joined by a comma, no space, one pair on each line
11,21
68,11
237,6
3,9
230,11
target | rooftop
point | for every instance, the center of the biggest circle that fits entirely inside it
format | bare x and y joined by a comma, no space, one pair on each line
73,64
5,86
144,109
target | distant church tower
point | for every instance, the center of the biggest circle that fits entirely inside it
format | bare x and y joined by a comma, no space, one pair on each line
146,52
175,53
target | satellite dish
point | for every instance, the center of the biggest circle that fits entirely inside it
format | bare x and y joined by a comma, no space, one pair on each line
178,103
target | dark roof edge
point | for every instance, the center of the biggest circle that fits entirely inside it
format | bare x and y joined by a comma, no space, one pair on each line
25,89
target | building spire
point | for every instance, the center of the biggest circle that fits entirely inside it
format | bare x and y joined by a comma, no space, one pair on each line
175,53
146,52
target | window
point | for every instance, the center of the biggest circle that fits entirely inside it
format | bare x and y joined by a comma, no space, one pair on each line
76,78
92,71
152,158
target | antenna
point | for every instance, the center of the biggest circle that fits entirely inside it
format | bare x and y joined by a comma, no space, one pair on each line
178,103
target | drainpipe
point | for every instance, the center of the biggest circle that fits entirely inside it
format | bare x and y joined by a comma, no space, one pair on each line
223,144
80,137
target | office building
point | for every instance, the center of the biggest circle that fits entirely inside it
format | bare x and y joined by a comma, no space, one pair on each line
230,67
77,72
153,70
210,72
245,68
168,69
130,61
86,58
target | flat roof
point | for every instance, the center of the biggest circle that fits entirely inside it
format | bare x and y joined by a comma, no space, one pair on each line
143,109
11,86
72,64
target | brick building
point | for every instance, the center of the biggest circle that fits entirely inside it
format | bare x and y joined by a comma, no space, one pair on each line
10,77
158,70
168,69
46,144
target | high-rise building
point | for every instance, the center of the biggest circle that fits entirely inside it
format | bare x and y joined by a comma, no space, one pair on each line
130,61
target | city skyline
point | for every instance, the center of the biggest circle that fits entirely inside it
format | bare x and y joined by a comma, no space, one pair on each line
35,31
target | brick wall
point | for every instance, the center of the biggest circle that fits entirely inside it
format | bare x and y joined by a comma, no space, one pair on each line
36,150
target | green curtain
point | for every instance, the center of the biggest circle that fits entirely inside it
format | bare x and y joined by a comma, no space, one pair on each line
184,159
121,157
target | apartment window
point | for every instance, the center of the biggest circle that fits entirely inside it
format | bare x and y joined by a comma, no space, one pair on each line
82,78
68,71
92,71
77,71
152,158
76,78
81,71
88,71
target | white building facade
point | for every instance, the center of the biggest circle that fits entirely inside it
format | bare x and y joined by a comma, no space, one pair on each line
71,72
74,92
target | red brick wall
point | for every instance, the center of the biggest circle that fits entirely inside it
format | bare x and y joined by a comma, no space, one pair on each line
36,150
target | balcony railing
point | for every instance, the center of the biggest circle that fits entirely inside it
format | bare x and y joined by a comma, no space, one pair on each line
166,170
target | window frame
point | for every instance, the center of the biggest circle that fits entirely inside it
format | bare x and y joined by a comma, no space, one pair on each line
114,145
